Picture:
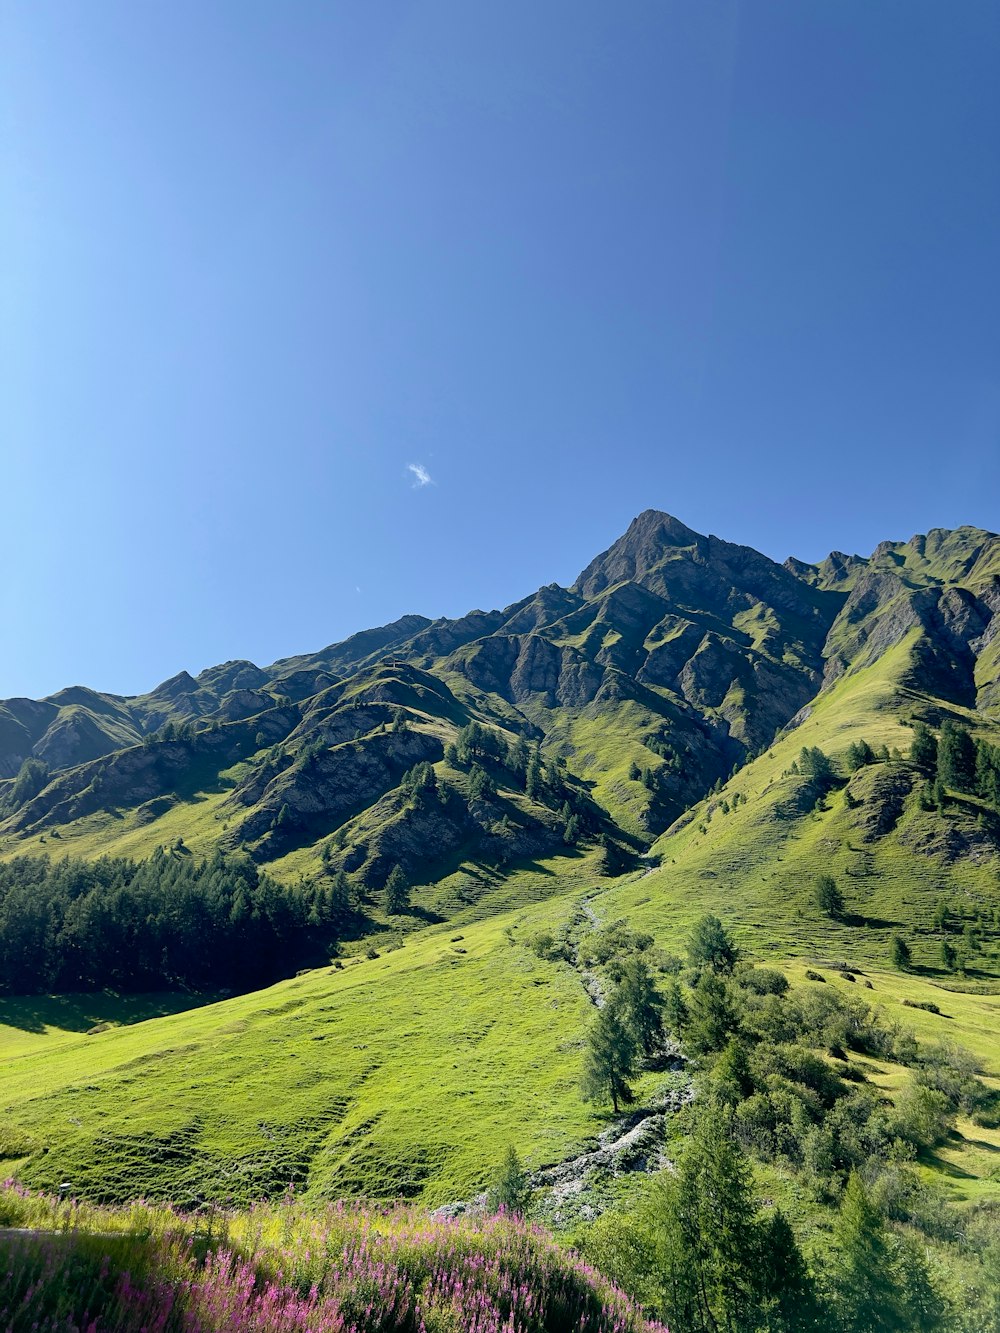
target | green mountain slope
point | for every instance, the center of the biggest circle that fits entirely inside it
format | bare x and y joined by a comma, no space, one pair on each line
670,694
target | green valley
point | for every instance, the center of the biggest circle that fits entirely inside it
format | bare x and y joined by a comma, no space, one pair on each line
453,846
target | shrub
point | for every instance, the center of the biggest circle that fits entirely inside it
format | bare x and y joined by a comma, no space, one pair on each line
763,980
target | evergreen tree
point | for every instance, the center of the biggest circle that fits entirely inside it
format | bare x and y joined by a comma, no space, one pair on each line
731,1077
481,785
397,892
675,1010
924,750
710,945
518,755
948,955
988,772
641,1005
790,1302
611,1058
814,763
533,778
634,771
864,1293
510,1189
571,830
341,897
879,1284
712,1014
956,757
859,754
899,952
706,1234
829,897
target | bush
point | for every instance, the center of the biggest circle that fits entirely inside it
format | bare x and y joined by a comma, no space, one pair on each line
763,980
923,1116
544,945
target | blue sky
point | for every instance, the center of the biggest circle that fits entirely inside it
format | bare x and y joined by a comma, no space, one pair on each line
571,259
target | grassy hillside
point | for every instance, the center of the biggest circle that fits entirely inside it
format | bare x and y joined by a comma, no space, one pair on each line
398,1075
688,713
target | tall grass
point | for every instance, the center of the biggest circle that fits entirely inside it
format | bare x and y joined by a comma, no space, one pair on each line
278,1268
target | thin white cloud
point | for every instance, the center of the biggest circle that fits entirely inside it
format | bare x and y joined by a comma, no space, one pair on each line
421,477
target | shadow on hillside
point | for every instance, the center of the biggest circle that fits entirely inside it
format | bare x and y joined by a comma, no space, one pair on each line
873,922
983,1144
933,1159
424,914
81,1012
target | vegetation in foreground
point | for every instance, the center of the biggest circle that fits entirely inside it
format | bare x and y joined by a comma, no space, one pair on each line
280,1269
784,1092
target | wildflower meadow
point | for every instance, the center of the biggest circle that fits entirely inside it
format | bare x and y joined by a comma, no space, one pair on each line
282,1268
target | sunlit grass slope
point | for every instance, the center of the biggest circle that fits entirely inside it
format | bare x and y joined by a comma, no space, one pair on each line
756,866
406,1074
398,1075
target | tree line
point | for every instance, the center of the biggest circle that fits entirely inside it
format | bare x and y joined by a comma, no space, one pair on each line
173,920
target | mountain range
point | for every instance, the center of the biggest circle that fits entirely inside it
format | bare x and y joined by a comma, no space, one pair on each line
682,654
690,727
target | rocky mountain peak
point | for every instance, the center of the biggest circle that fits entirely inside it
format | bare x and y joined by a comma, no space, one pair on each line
640,549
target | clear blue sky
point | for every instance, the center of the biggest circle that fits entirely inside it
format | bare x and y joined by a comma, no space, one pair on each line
574,259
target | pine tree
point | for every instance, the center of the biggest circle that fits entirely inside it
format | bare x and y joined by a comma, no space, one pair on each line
712,1015
924,750
397,892
571,830
706,1233
511,1188
611,1059
988,772
956,757
829,897
710,945
899,952
675,1010
863,1290
642,1006
481,785
879,1284
814,763
859,754
341,897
